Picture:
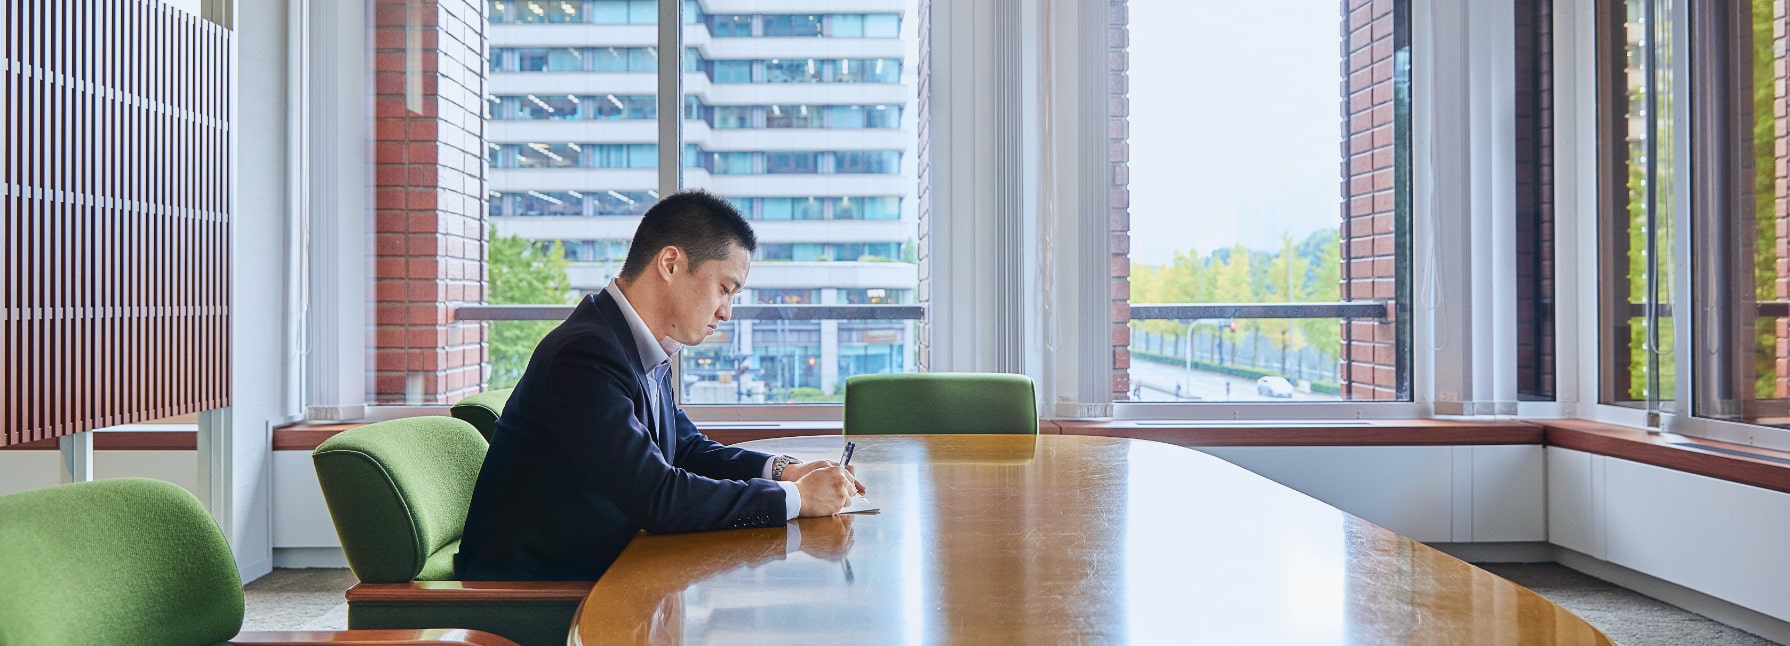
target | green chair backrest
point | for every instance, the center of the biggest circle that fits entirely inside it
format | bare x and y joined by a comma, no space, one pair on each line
481,410
398,492
940,402
124,561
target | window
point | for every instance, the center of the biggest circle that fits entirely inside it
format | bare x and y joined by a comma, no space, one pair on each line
747,360
785,296
885,207
732,163
624,12
537,155
535,107
777,163
791,26
793,116
625,156
875,162
1740,220
876,296
1319,242
558,59
845,26
1637,340
733,71
792,71
550,203
635,106
791,208
732,117
730,26
882,25
534,11
624,59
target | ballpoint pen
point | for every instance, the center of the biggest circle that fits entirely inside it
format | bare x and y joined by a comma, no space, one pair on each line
845,459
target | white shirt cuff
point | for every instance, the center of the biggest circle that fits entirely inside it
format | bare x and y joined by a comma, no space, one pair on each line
792,500
767,467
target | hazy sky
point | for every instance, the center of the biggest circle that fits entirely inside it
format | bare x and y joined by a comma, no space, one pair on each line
1235,126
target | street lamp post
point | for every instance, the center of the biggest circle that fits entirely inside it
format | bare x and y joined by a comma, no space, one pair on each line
1188,376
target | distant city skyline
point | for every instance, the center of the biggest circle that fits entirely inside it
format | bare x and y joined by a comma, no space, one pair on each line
1251,146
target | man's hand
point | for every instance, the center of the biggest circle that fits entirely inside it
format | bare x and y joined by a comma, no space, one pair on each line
825,490
795,472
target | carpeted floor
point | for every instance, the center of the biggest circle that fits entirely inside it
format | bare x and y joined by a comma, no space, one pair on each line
308,599
312,600
1626,616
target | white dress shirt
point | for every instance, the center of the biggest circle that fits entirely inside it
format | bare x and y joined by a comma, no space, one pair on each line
657,353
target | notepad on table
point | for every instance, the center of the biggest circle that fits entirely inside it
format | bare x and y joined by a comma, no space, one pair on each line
859,504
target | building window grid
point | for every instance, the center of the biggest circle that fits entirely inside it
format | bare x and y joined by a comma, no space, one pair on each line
880,345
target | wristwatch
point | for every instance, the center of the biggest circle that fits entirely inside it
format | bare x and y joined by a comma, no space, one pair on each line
778,463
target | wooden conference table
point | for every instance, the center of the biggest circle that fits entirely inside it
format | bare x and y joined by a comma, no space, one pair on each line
1054,539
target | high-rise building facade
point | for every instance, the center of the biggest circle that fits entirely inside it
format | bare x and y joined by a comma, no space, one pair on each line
800,113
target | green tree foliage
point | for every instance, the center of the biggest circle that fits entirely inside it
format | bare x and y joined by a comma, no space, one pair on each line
522,273
1300,271
1765,262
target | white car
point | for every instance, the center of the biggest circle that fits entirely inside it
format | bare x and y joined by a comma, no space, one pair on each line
1273,387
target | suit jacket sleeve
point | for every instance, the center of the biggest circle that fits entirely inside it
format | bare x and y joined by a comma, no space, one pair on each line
595,392
700,454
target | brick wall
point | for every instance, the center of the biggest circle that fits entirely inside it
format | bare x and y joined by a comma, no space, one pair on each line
1535,199
1781,192
429,69
1119,204
1369,367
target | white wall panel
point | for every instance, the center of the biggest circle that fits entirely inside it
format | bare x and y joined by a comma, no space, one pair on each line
1509,493
1713,536
1407,489
1575,520
301,518
27,470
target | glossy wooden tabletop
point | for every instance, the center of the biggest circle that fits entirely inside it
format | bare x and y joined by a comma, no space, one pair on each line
1055,539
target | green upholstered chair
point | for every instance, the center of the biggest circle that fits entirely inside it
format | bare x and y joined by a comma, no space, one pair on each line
134,561
481,410
940,402
398,492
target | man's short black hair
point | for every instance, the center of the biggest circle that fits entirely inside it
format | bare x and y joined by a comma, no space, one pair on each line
704,226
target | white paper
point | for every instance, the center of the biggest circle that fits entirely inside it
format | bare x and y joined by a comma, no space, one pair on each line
859,504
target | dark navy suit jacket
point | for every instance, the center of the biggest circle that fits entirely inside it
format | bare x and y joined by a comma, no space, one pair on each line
580,462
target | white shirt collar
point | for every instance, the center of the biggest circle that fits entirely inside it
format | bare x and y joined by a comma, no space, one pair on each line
653,352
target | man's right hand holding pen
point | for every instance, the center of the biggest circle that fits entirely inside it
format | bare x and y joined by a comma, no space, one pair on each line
826,486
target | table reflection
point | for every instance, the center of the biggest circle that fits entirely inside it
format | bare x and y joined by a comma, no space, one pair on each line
1053,539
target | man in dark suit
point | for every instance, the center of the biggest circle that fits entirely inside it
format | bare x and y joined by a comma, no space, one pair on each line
592,447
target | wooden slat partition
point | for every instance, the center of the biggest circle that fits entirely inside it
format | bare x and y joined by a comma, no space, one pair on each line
114,255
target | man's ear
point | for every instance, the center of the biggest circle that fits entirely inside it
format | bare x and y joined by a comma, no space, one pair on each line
668,260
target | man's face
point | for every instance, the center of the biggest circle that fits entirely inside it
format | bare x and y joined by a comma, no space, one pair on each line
703,298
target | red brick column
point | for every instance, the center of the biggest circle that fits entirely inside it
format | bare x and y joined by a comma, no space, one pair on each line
1119,203
430,178
1369,354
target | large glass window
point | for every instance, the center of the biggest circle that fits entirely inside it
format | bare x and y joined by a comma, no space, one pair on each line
749,360
1637,208
1318,246
1741,235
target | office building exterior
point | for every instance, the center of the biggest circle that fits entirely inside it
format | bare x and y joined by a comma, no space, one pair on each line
799,113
